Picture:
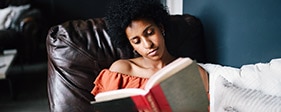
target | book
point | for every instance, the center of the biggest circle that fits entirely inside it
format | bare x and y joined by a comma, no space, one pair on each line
176,87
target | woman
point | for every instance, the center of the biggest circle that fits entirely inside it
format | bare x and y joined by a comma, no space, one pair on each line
140,25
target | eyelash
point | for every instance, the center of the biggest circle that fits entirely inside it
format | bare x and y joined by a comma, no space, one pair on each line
136,41
148,33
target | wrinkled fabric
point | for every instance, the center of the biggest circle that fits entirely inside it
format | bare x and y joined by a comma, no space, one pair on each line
108,80
251,87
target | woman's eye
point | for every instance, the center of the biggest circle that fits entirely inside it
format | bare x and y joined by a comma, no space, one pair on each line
136,41
150,32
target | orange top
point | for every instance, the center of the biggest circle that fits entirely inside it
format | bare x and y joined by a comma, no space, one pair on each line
108,80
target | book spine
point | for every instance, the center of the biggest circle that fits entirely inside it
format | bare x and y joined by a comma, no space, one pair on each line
153,103
146,103
160,99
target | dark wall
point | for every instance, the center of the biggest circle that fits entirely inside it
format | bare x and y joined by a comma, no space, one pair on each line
239,32
58,11
55,12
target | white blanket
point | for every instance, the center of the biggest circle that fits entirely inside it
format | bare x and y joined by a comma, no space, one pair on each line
251,88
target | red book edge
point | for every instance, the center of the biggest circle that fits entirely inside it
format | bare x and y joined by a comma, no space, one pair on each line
141,103
160,97
154,101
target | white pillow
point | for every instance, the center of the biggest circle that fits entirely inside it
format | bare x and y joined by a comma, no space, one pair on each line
260,78
4,13
237,99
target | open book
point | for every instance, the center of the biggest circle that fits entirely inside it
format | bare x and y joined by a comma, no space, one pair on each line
176,87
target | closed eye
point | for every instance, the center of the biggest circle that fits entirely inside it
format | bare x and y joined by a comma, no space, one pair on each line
135,40
149,32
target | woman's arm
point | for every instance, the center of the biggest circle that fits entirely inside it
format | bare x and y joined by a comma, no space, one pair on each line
205,77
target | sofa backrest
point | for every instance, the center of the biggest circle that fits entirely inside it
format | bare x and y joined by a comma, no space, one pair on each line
79,49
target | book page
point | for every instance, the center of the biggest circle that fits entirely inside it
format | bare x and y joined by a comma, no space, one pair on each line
120,93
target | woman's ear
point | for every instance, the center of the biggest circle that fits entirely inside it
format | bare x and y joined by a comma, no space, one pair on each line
162,29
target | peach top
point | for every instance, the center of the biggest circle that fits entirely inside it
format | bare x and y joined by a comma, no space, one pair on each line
108,80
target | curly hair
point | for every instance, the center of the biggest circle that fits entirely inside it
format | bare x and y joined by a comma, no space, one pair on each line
121,13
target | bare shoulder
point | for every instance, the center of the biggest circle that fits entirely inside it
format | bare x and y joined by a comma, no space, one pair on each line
205,77
121,66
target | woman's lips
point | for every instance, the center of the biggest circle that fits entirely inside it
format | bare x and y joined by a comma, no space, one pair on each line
152,52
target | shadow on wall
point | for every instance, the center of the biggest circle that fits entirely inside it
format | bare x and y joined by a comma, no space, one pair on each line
213,20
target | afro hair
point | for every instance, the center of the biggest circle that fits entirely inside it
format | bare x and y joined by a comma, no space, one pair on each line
121,13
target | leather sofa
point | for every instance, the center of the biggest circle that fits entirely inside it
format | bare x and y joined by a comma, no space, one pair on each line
79,49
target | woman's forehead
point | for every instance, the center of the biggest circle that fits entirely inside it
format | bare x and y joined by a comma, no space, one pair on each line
141,22
138,27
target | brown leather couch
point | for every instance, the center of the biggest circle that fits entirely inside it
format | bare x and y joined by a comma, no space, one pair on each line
79,49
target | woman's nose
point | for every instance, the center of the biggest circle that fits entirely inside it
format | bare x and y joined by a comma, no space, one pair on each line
147,43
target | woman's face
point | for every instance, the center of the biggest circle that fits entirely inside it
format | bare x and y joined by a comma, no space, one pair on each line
146,38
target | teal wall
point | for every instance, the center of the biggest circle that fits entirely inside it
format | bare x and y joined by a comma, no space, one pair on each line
239,32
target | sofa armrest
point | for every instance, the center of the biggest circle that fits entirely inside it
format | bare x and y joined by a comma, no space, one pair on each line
77,51
28,21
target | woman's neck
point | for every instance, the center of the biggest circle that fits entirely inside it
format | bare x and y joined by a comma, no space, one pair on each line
158,64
